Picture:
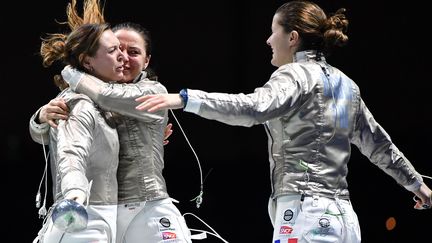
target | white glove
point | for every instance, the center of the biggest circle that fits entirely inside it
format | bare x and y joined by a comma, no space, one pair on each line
72,76
77,195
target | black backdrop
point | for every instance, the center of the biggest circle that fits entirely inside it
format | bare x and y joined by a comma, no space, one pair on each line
220,46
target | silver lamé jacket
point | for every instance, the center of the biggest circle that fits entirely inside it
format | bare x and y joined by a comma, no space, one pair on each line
82,149
312,113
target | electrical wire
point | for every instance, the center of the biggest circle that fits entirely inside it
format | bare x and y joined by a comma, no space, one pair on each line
198,199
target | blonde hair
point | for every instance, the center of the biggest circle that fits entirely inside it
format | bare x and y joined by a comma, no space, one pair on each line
81,41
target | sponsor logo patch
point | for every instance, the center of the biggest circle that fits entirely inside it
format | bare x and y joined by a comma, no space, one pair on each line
324,222
288,215
285,230
169,235
165,222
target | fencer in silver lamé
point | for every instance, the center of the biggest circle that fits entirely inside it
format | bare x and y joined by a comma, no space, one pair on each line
83,157
312,113
74,145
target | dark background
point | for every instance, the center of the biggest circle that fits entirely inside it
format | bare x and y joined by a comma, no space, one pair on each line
220,46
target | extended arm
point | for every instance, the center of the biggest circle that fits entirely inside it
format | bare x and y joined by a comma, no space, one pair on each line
374,142
263,104
115,97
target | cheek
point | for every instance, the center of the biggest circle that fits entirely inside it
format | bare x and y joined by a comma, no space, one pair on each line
105,66
136,64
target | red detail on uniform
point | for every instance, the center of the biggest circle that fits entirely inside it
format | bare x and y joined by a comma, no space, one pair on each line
284,230
292,240
169,235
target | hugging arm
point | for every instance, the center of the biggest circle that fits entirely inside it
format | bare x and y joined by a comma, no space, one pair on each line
117,97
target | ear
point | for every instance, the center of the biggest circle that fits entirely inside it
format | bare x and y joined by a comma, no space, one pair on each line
294,38
147,61
86,62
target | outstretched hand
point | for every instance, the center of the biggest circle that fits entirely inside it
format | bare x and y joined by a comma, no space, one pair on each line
423,197
55,110
152,103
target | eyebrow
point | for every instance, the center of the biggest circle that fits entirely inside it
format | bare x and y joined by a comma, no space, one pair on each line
134,47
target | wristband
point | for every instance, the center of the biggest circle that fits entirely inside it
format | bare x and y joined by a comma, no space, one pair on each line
184,95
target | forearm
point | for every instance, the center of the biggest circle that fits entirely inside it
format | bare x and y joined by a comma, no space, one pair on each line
74,140
375,143
120,98
243,109
39,132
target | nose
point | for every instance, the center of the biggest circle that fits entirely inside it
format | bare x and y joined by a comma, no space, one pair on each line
122,57
268,41
125,55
